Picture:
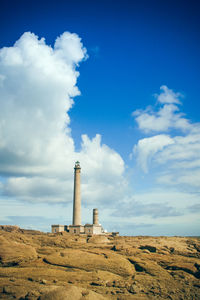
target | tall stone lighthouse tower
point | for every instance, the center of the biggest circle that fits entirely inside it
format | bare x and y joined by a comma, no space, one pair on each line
76,227
77,195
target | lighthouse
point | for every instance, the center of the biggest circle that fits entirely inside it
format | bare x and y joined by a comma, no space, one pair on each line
77,195
77,227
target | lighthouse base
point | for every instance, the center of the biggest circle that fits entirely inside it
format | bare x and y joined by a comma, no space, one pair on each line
76,229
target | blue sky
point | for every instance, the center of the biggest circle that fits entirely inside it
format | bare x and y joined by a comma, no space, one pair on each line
142,170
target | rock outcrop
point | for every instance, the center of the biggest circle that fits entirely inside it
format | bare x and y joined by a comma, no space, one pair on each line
41,266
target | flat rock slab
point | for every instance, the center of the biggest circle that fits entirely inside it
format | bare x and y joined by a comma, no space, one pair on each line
71,292
88,261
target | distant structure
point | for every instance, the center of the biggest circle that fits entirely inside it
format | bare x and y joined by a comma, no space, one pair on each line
76,226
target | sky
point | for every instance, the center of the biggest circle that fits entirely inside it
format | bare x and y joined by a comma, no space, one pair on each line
115,85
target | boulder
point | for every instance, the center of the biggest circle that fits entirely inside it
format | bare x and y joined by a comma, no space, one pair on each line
98,239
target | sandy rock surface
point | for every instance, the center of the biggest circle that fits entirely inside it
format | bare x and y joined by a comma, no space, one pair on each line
45,266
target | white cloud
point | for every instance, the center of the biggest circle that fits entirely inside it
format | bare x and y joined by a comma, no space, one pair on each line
37,152
186,178
99,160
147,148
35,189
103,170
168,96
177,155
68,47
185,149
166,118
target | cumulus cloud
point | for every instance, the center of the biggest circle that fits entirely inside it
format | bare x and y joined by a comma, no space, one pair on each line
35,98
35,189
185,149
177,154
147,148
68,47
103,178
168,96
181,161
37,151
99,160
167,116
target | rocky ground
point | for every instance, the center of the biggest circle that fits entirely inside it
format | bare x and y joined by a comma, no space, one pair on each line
45,266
